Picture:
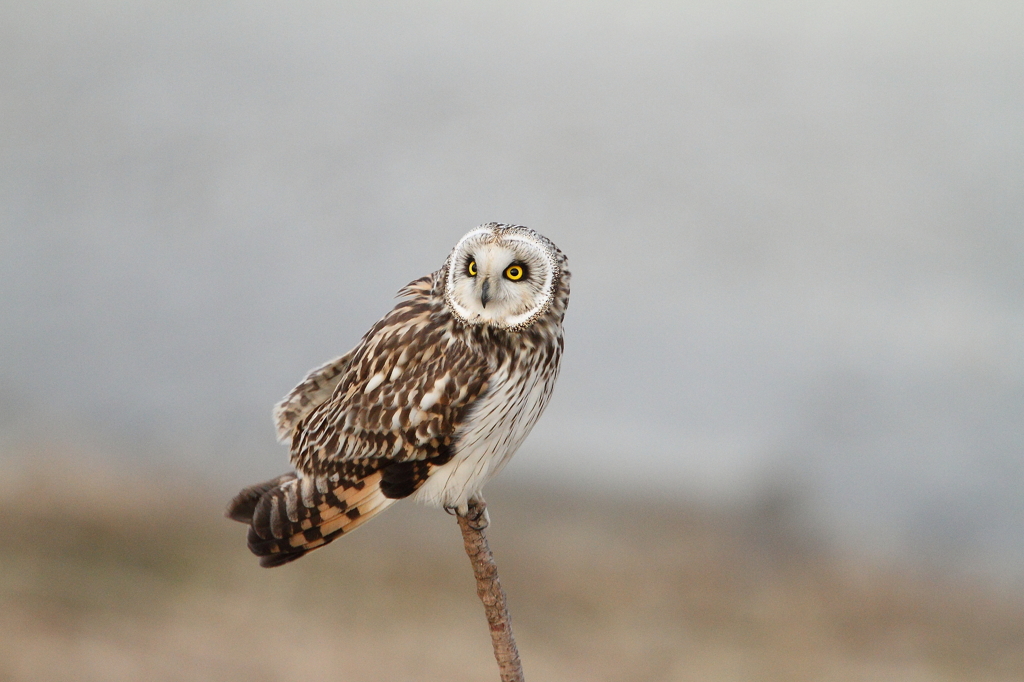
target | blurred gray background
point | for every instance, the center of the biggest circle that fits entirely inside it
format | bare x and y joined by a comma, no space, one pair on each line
796,233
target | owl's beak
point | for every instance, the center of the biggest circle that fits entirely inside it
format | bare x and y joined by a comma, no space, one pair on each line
485,292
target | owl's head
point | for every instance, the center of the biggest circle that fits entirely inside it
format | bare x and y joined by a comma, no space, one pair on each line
504,276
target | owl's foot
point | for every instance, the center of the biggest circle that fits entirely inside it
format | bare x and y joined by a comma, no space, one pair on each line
474,511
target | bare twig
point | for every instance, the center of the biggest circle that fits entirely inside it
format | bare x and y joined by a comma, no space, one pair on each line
489,590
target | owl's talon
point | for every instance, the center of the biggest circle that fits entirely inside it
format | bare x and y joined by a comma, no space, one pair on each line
476,514
480,522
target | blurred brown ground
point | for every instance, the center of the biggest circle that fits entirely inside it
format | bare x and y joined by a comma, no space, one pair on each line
111,577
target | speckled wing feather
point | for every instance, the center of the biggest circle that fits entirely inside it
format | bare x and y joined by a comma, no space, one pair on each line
398,400
405,390
317,387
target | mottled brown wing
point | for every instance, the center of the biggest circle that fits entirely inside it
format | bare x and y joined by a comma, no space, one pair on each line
405,391
313,390
320,383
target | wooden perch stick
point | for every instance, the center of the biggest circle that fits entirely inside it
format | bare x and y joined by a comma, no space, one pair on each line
489,590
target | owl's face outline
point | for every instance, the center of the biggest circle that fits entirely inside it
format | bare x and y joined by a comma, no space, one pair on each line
502,276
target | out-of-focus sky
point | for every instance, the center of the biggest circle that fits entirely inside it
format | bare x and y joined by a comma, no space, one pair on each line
796,232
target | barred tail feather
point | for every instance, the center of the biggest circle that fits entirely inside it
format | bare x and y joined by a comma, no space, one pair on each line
243,506
289,516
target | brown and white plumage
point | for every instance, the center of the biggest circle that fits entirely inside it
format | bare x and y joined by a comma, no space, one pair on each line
431,403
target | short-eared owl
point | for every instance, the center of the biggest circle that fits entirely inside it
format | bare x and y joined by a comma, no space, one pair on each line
431,403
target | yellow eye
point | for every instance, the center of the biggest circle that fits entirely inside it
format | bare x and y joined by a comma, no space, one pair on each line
472,268
514,272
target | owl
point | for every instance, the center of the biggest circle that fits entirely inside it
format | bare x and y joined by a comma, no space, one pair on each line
431,403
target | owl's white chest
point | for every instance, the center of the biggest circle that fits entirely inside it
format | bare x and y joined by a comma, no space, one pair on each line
496,428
